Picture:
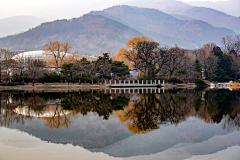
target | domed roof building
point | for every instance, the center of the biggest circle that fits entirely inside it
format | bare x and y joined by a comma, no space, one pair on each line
29,54
42,55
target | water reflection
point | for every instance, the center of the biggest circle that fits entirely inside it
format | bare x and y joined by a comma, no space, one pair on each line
154,110
142,113
57,108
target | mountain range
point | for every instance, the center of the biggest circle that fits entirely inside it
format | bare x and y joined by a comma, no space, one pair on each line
185,11
95,32
230,7
191,33
89,33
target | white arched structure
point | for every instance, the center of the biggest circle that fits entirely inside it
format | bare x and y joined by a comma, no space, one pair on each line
42,55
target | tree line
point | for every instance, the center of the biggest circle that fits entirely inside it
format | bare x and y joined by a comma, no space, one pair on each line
102,69
173,64
153,61
72,68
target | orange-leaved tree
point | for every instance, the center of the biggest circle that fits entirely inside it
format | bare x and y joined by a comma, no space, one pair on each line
120,56
144,55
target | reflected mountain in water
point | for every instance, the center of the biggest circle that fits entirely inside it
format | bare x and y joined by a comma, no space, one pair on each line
120,126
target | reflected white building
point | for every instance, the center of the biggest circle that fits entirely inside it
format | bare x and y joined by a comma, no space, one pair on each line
50,111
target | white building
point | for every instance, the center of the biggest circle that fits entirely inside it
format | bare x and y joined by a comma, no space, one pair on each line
42,55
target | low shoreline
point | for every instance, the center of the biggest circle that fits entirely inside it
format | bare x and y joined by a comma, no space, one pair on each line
76,86
52,86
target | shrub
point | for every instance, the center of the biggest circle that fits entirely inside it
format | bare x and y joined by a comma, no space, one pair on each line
146,78
161,78
95,80
200,83
26,79
86,80
175,81
16,78
50,78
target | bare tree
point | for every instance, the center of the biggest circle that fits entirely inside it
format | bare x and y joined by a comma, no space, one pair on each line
79,69
187,71
65,49
143,54
53,48
92,70
231,44
235,64
208,60
176,57
146,56
7,64
34,69
58,50
20,69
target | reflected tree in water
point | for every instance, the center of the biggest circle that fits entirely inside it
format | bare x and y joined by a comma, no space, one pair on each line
59,118
230,123
90,101
154,110
150,111
7,115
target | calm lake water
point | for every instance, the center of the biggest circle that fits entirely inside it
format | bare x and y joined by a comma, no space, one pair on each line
97,124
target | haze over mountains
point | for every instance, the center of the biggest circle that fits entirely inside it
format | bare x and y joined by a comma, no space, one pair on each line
231,7
185,12
191,34
167,6
184,25
18,24
213,17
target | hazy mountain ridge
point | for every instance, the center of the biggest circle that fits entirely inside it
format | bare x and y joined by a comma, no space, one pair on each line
211,16
113,27
18,24
167,6
195,31
89,33
231,7
162,39
181,17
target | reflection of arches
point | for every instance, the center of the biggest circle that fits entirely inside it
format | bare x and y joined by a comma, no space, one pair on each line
49,111
53,115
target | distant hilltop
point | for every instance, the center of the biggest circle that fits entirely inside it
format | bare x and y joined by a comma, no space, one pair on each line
18,24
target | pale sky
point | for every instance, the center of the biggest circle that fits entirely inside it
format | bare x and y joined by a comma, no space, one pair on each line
203,0
55,9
